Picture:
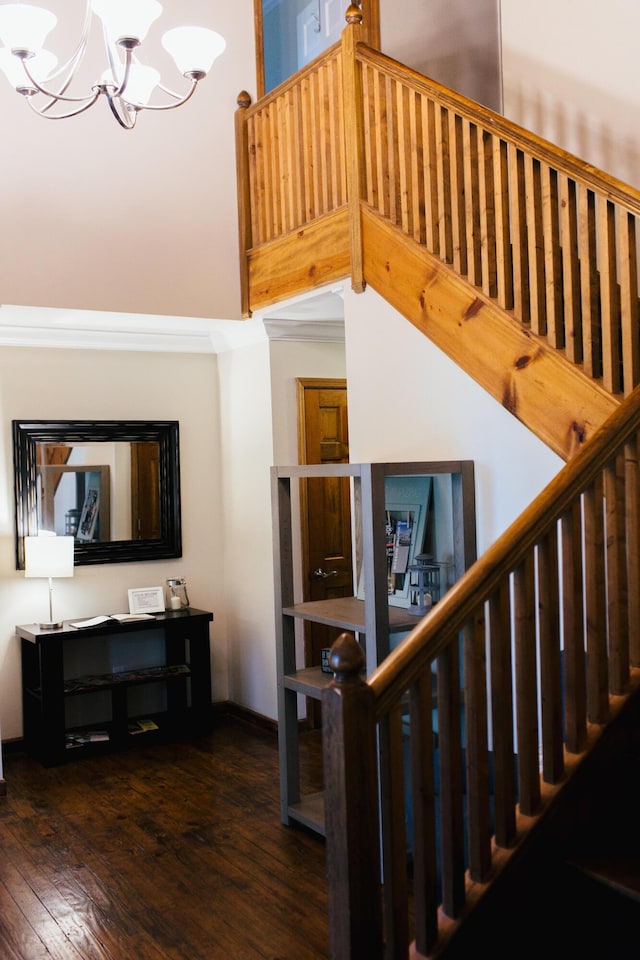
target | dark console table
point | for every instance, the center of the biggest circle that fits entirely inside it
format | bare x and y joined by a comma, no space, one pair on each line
97,688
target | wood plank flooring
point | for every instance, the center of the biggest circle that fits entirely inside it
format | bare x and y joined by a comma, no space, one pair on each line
163,852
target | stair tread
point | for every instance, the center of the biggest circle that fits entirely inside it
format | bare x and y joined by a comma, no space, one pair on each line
620,871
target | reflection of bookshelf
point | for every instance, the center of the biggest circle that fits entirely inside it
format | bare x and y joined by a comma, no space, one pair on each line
65,699
64,491
89,515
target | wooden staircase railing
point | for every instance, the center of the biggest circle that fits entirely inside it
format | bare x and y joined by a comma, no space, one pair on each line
359,167
357,150
534,650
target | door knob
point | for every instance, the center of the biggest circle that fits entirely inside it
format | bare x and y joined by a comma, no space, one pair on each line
319,574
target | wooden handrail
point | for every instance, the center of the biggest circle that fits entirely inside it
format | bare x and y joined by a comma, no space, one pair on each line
431,636
555,677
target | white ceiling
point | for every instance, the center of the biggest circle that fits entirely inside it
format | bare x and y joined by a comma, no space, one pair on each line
128,239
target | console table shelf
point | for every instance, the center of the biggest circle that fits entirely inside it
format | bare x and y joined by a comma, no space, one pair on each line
105,672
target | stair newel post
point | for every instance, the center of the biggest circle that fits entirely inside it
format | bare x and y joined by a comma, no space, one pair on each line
351,807
353,117
244,196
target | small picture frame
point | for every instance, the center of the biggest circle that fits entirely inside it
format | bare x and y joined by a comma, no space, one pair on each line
146,600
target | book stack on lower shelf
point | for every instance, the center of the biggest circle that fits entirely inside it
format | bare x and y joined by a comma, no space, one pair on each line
142,725
81,738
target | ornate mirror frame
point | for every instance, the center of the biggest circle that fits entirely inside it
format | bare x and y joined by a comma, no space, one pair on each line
28,433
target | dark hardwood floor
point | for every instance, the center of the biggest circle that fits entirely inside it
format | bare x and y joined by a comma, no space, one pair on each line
163,852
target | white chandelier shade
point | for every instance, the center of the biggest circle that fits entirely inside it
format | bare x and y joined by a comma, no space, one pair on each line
127,84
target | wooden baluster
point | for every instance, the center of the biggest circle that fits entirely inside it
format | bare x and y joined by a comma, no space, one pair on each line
632,515
456,169
519,241
609,300
451,780
477,750
425,897
404,156
618,632
351,807
552,263
595,603
417,164
629,310
430,174
443,161
472,202
487,213
550,658
353,137
575,713
504,261
533,193
570,268
502,714
244,196
526,697
395,891
589,283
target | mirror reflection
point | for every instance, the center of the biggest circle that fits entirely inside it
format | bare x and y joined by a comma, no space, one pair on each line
113,485
99,492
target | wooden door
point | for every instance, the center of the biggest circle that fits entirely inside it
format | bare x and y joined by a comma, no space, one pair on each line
325,508
145,491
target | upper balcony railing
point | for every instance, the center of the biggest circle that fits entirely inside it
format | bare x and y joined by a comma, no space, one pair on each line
545,235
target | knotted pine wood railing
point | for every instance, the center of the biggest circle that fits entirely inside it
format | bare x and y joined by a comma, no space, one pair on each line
545,235
553,609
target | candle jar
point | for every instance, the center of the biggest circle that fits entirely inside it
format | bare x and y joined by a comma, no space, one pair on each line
177,596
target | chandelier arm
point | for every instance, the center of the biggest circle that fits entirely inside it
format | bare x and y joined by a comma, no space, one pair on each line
74,60
128,121
171,106
55,97
62,116
128,58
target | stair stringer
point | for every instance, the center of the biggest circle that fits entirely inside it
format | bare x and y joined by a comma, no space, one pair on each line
537,384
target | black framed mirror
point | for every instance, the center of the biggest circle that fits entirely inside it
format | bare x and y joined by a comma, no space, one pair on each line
114,485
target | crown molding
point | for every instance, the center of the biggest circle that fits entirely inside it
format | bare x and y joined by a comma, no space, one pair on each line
315,317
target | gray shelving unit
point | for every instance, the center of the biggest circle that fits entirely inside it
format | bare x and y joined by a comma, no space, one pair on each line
372,617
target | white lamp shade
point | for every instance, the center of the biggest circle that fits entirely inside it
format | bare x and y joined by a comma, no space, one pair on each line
193,48
141,83
40,66
127,18
48,556
23,27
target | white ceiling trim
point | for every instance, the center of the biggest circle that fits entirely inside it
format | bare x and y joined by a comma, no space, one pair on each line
309,319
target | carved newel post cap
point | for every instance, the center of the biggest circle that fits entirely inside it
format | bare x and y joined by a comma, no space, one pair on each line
346,658
244,99
353,14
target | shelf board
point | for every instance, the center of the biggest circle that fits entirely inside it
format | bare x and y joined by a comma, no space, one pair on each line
309,811
348,613
310,681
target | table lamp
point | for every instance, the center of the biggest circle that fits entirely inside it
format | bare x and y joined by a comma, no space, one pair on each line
48,556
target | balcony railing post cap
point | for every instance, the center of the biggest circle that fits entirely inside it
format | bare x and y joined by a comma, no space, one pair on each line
353,14
346,658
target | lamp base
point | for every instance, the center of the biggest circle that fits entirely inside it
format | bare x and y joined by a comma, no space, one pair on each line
51,626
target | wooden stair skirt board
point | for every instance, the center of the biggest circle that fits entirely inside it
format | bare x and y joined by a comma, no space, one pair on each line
551,396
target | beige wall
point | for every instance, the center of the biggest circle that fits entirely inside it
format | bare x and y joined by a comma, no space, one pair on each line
408,401
259,424
104,385
571,76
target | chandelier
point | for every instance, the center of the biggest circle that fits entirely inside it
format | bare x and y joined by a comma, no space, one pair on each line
127,84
